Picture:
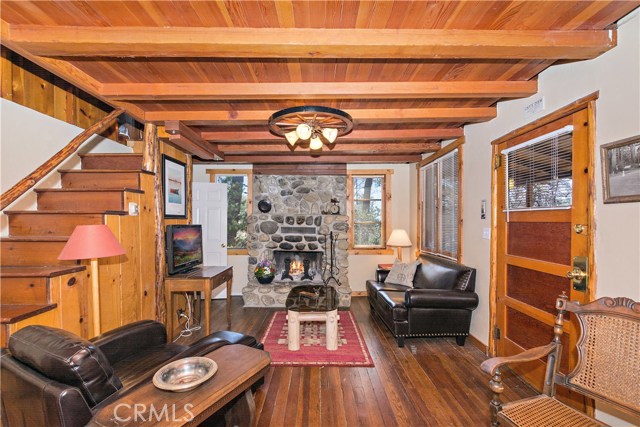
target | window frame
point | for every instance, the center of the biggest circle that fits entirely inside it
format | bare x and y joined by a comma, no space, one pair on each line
457,144
213,174
386,210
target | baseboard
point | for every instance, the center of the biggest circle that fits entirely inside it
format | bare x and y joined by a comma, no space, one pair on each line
478,344
359,293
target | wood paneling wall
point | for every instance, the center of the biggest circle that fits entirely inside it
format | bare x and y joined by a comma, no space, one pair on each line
29,85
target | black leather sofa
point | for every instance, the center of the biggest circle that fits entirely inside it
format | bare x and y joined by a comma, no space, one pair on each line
439,303
54,378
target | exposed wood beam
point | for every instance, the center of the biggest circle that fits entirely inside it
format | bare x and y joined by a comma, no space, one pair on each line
339,147
94,41
185,137
325,157
320,90
69,73
363,116
397,134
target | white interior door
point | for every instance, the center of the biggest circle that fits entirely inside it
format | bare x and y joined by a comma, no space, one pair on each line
209,208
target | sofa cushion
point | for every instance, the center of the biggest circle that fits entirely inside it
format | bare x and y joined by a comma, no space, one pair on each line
374,287
436,274
401,273
66,358
438,298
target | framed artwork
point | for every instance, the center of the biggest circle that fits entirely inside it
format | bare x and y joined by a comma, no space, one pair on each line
621,170
174,187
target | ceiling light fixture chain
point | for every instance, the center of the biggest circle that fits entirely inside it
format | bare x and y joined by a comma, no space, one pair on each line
316,124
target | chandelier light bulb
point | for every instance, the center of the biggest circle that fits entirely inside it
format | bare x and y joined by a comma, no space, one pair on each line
292,137
315,143
304,131
330,134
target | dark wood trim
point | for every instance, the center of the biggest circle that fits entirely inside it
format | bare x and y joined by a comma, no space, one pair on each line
307,169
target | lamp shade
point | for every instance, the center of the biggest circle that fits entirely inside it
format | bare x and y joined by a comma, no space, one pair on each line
399,237
91,242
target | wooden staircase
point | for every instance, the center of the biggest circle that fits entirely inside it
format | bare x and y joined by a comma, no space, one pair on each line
36,286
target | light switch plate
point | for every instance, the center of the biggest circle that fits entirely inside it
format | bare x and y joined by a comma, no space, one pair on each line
133,209
486,233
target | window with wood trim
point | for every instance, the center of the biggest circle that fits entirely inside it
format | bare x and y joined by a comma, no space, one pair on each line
440,203
369,196
238,205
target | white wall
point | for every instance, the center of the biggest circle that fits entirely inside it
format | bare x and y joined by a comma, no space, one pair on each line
361,267
28,139
616,74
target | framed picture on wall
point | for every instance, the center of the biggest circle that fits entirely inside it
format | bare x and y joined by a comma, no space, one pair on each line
174,187
621,170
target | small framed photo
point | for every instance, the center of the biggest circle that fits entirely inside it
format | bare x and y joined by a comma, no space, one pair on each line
621,170
174,187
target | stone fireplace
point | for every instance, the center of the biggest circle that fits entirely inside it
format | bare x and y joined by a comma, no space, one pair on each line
295,236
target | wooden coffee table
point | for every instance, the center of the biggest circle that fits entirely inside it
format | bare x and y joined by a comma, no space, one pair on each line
316,303
239,367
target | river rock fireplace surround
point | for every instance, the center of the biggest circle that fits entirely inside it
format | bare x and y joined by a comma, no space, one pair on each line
295,236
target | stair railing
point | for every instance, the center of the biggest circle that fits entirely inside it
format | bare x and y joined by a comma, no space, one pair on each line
43,170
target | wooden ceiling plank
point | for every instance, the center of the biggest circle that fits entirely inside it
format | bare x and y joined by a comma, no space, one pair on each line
362,116
320,90
394,134
225,42
324,157
390,147
185,137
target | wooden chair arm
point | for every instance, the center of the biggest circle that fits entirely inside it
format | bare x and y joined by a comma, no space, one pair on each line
491,365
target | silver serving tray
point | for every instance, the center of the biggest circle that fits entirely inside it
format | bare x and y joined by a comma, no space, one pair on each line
184,374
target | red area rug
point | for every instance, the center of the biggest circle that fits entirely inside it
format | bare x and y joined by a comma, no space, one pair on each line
352,350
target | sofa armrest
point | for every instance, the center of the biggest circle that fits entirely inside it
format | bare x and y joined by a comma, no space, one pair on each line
381,274
125,341
440,298
490,366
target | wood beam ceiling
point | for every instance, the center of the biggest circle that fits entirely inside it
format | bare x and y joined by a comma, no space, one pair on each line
324,157
339,147
361,116
377,135
185,137
94,41
319,90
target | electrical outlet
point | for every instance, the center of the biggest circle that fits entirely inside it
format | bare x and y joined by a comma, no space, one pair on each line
179,312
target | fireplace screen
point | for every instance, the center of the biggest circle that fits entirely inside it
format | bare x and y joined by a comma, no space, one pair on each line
298,266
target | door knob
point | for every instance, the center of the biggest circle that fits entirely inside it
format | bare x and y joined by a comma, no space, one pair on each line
579,228
576,274
223,245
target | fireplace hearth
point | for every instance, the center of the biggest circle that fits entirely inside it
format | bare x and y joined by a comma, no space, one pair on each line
298,266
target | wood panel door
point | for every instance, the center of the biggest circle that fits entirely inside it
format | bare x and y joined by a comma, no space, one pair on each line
209,207
537,240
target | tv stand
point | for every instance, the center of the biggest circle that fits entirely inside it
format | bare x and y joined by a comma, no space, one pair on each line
201,279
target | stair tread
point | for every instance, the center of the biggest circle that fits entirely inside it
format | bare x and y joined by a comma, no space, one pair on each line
104,171
111,155
35,239
44,271
85,190
59,212
12,313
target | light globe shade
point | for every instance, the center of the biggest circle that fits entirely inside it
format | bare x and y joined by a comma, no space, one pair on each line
315,143
292,137
304,131
330,134
400,238
89,242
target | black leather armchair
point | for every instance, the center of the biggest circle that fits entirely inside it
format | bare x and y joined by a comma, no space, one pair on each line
439,303
54,378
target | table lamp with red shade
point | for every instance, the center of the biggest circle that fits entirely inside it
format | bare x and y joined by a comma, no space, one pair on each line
92,242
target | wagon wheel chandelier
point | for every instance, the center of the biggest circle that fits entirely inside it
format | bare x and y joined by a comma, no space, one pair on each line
318,125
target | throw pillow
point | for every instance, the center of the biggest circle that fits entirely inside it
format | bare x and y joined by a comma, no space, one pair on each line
402,274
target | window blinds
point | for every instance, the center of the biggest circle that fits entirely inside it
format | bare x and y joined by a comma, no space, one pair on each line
440,180
538,172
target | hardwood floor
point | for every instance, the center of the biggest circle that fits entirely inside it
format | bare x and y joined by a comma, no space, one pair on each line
429,382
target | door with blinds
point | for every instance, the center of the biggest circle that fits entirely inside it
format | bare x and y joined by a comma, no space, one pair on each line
542,194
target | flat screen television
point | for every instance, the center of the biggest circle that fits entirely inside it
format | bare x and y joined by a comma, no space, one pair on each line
184,247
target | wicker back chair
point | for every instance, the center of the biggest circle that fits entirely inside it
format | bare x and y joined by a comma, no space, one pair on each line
608,367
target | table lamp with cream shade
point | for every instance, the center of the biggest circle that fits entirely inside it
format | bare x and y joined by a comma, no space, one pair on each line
92,242
400,239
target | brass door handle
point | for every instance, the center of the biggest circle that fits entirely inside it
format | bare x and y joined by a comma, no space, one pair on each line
579,228
576,274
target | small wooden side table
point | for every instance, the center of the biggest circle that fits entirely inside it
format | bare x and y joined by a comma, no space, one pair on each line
239,367
204,279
